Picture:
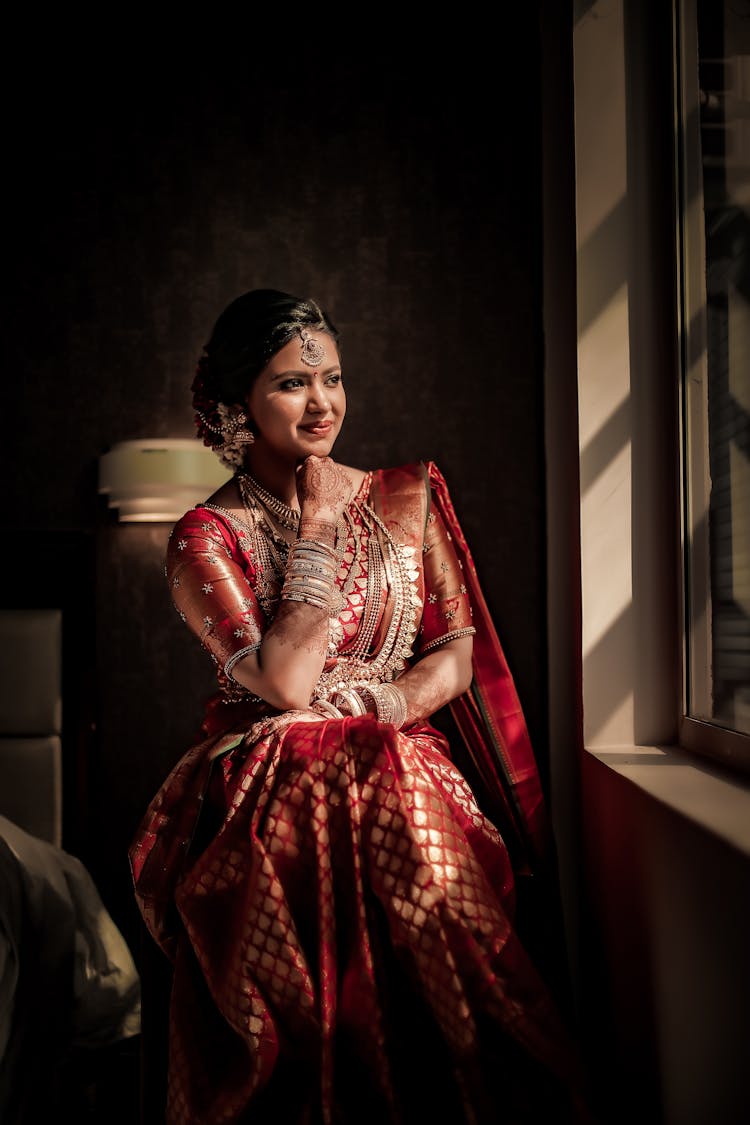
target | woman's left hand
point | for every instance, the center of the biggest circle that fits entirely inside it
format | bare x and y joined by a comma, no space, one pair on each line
323,488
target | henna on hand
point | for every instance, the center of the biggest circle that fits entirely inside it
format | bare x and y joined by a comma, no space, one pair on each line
323,531
426,691
303,627
322,485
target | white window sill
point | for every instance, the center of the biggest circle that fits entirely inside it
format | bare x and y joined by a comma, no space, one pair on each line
695,790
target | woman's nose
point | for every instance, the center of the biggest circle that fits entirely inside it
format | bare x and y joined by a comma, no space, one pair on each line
318,398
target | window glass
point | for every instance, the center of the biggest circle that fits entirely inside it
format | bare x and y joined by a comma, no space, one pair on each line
714,176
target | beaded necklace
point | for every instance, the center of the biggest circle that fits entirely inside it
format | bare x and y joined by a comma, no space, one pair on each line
252,492
391,567
394,565
272,549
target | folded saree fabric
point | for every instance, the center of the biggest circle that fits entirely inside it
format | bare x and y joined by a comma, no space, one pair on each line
337,902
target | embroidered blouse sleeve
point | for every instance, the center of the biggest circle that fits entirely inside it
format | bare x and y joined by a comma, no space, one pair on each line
209,578
447,610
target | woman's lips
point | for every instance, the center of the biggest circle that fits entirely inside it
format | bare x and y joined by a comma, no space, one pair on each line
318,427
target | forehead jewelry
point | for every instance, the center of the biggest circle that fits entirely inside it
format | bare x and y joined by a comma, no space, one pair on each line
312,353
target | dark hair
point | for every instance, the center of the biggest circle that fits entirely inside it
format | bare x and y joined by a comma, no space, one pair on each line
245,338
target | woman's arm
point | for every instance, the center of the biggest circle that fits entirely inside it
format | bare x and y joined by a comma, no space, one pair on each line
437,679
214,597
286,667
279,662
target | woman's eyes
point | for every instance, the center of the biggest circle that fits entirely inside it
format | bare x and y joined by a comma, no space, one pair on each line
297,384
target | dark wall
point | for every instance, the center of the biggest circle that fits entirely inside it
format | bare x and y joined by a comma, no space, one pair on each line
401,189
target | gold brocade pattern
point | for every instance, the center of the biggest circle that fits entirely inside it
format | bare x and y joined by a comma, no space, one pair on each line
223,593
330,892
316,821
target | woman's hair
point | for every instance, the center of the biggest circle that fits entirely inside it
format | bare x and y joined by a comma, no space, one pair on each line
245,338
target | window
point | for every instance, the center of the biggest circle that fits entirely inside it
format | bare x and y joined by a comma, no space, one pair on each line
713,122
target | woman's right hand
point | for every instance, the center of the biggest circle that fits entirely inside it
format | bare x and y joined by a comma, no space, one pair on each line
323,489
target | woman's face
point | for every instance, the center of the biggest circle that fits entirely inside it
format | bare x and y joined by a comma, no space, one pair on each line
296,410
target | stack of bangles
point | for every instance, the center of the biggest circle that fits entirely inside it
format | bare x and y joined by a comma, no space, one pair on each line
310,577
310,573
388,701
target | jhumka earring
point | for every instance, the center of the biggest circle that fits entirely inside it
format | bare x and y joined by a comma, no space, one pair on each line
233,425
233,432
242,434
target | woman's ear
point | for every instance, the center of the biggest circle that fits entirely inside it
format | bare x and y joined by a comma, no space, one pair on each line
250,423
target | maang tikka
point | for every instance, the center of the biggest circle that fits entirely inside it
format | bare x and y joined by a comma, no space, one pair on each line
312,353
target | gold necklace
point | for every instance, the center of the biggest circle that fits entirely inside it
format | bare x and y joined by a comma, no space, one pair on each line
286,515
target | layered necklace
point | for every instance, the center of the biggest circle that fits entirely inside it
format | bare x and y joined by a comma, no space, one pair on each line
253,493
389,565
264,511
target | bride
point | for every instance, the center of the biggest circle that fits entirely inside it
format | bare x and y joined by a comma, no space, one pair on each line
338,908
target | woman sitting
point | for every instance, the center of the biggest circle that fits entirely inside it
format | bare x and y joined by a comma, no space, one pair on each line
338,909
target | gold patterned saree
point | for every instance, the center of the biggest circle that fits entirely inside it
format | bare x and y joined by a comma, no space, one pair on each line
338,908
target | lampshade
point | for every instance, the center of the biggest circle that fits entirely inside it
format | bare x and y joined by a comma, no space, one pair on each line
156,480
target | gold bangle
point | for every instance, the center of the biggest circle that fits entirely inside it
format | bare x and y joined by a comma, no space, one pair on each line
312,546
352,700
390,704
326,708
308,598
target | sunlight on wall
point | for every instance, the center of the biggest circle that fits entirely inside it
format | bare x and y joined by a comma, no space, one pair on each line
604,386
600,91
603,352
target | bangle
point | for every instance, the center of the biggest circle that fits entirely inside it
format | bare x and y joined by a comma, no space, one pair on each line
237,656
310,574
326,708
322,530
367,696
314,546
390,704
352,700
309,599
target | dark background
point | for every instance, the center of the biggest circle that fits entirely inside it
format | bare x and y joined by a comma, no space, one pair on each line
397,180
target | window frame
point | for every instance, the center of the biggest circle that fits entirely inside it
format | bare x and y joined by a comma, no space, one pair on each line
698,735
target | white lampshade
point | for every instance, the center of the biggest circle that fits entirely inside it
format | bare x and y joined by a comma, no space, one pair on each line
156,480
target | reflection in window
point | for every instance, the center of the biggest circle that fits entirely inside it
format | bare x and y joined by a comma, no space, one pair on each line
715,228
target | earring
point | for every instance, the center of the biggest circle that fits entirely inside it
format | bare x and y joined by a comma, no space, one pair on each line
242,434
236,435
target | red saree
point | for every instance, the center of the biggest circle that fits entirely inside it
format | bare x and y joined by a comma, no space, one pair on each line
336,906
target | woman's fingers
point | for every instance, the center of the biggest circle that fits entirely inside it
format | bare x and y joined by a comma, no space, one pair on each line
323,486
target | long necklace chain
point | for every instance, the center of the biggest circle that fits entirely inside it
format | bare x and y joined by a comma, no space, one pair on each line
260,539
272,551
389,566
392,565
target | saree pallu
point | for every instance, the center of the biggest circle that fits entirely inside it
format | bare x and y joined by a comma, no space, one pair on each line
339,912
